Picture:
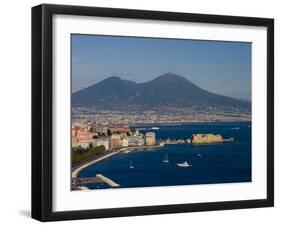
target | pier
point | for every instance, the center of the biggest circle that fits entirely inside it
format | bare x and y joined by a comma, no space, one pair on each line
108,181
79,183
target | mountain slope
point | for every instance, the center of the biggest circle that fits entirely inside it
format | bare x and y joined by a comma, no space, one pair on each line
104,93
167,90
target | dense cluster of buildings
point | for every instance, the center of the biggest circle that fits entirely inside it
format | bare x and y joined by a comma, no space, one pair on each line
112,138
85,115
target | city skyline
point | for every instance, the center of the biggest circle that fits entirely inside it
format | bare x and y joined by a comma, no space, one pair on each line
220,67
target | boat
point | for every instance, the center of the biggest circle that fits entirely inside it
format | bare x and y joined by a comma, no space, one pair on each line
155,128
166,158
199,155
131,165
235,128
184,164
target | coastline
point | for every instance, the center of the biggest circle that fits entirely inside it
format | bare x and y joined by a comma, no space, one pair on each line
76,170
75,173
187,122
133,148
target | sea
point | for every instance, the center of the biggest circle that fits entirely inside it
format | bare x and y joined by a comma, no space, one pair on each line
227,162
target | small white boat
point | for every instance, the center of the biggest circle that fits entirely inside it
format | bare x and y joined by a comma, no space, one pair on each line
235,128
199,155
184,164
166,159
131,165
155,128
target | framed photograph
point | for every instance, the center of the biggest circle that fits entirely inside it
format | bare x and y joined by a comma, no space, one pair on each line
145,112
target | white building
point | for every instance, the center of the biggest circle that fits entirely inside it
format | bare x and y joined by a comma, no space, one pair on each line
101,141
84,144
125,142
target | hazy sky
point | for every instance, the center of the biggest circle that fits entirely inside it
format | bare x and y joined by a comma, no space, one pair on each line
220,67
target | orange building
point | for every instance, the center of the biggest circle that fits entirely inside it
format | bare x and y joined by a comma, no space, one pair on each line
120,129
82,133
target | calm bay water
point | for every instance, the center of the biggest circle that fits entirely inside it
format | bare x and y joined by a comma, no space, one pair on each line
214,163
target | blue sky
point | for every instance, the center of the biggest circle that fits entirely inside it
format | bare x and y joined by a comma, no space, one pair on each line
220,67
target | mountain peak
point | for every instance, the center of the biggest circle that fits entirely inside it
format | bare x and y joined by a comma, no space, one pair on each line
113,78
172,80
166,90
170,76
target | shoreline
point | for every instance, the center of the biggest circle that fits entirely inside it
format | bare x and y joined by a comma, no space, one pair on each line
76,171
186,123
125,149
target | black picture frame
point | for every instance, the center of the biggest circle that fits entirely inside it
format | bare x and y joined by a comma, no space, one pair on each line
42,196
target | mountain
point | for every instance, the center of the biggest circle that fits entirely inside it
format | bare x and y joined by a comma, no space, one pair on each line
167,90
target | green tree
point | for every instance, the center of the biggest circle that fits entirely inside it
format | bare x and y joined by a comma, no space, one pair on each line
79,154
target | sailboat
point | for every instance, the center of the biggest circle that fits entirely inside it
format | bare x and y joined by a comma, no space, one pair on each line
131,165
184,164
166,158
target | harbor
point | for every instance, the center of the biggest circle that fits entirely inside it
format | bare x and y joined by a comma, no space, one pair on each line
79,183
177,162
168,153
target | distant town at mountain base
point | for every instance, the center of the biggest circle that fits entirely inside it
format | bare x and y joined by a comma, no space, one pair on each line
169,98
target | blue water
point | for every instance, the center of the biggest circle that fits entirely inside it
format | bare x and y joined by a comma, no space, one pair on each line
220,163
